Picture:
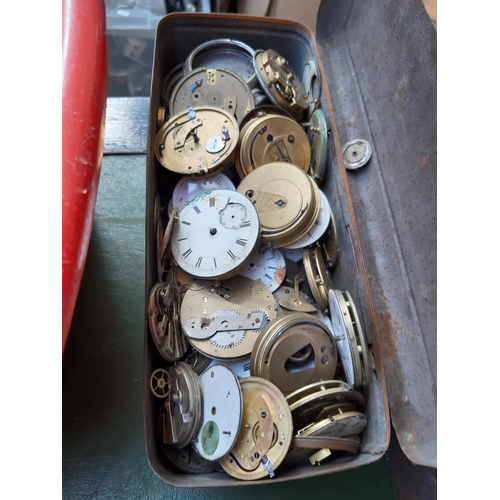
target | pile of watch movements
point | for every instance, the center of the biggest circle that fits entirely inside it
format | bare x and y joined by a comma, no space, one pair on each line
265,362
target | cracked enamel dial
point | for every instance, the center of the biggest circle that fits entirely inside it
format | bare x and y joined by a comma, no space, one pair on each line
268,265
216,234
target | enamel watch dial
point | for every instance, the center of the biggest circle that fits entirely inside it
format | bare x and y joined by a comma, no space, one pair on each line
222,410
216,234
188,188
267,265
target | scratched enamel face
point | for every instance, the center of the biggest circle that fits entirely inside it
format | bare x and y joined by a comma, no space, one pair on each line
215,234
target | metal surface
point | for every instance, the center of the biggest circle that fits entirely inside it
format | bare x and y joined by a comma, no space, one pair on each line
126,129
318,228
239,296
286,199
280,82
183,144
392,43
356,154
224,53
297,45
217,87
312,84
106,415
266,431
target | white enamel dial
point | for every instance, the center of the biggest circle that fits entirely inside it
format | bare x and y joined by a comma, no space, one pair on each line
188,188
318,228
341,336
267,265
208,242
222,412
293,255
233,216
240,367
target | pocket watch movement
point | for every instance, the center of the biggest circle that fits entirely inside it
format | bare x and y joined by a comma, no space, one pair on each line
286,199
265,435
293,351
198,141
217,87
224,321
318,139
318,228
272,138
318,276
280,82
350,338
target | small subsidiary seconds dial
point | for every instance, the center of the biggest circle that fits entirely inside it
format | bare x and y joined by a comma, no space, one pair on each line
216,234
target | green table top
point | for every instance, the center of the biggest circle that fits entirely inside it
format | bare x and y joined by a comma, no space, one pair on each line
103,439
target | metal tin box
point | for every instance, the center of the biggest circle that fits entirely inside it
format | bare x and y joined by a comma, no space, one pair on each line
382,90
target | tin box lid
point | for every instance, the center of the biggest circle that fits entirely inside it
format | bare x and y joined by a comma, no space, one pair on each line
379,59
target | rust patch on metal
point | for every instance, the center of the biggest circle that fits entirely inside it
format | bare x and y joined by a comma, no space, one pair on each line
425,161
279,275
388,331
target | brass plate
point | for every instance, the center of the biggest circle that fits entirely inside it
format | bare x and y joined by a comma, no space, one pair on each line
329,243
238,295
218,87
261,111
313,389
305,410
182,415
286,199
169,82
188,461
317,276
360,337
265,435
317,134
184,144
293,351
351,341
341,425
164,324
270,139
312,84
333,410
280,82
293,300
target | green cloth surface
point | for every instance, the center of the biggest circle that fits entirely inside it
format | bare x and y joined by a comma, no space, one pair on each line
103,438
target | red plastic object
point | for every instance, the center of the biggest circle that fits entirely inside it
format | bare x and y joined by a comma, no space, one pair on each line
84,90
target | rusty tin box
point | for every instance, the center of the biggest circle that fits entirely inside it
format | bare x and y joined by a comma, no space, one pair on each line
378,70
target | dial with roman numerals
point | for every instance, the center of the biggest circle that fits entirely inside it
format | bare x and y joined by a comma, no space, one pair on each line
216,234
